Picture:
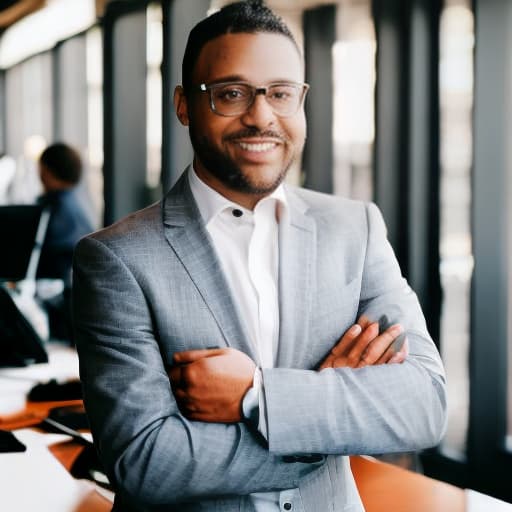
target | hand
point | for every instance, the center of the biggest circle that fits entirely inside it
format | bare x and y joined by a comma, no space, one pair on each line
362,345
209,385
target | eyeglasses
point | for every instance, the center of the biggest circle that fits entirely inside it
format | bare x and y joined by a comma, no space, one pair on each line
236,98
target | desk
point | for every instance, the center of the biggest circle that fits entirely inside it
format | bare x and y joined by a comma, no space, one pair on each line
383,487
387,488
35,479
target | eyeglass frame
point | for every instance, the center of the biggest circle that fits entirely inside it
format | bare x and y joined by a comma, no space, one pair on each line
255,91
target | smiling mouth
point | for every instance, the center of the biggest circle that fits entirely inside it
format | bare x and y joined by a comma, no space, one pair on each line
257,147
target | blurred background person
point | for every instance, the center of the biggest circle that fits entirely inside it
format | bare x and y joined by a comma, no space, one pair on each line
60,170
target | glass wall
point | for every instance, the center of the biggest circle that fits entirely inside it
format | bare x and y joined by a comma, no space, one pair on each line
456,260
29,118
94,77
154,105
354,99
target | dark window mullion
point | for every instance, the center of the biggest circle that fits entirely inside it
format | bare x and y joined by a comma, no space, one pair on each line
319,38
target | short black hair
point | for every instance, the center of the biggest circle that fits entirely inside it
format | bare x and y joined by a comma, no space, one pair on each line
250,16
63,162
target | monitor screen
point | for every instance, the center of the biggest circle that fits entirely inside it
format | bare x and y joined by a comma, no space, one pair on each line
20,345
18,229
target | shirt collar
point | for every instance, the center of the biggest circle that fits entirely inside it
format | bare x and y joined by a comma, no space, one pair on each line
210,203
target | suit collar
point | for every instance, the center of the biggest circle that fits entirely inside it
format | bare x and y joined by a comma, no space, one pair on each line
297,281
185,232
179,207
187,236
298,210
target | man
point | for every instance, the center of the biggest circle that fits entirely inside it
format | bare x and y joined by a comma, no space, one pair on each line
222,363
60,170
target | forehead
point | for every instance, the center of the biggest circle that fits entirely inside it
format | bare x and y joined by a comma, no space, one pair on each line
257,58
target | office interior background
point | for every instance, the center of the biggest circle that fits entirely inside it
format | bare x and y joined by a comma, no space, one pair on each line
410,106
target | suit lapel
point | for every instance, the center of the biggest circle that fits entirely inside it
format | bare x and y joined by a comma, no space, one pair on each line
297,260
185,232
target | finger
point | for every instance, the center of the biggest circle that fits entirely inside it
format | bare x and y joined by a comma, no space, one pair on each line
385,357
364,321
399,342
189,356
346,340
396,359
327,363
361,344
378,348
340,348
342,362
401,356
393,350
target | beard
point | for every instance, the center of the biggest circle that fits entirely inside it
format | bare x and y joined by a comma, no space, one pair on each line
226,170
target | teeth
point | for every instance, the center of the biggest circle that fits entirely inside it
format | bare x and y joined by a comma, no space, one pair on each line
258,147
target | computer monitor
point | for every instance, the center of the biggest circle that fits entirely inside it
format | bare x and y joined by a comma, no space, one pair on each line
20,345
18,230
22,229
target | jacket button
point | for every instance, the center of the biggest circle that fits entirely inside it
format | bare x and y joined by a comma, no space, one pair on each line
287,506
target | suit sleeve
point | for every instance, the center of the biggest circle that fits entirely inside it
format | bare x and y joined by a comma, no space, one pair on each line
152,454
371,410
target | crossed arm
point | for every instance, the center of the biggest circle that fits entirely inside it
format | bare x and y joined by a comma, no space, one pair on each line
156,455
209,385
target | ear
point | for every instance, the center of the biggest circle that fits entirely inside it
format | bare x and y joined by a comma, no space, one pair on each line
180,105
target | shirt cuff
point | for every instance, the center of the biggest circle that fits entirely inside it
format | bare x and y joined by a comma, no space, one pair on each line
254,407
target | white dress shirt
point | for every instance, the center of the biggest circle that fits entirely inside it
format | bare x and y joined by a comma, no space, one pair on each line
247,245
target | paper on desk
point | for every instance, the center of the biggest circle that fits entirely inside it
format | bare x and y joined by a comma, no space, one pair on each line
477,502
35,479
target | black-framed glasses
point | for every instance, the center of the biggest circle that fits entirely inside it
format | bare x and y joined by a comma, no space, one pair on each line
236,98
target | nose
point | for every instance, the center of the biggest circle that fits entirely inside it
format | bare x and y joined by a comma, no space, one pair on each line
260,114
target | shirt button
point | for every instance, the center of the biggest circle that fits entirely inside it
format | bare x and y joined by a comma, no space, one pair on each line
287,506
237,213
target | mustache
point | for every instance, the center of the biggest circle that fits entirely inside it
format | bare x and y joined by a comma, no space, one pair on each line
253,132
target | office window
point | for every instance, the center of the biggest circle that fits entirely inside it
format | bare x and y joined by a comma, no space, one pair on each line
154,50
29,121
94,78
456,259
354,83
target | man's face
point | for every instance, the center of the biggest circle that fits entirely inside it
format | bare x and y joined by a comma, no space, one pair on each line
244,157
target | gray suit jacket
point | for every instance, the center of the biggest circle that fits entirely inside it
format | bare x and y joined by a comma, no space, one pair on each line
151,285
